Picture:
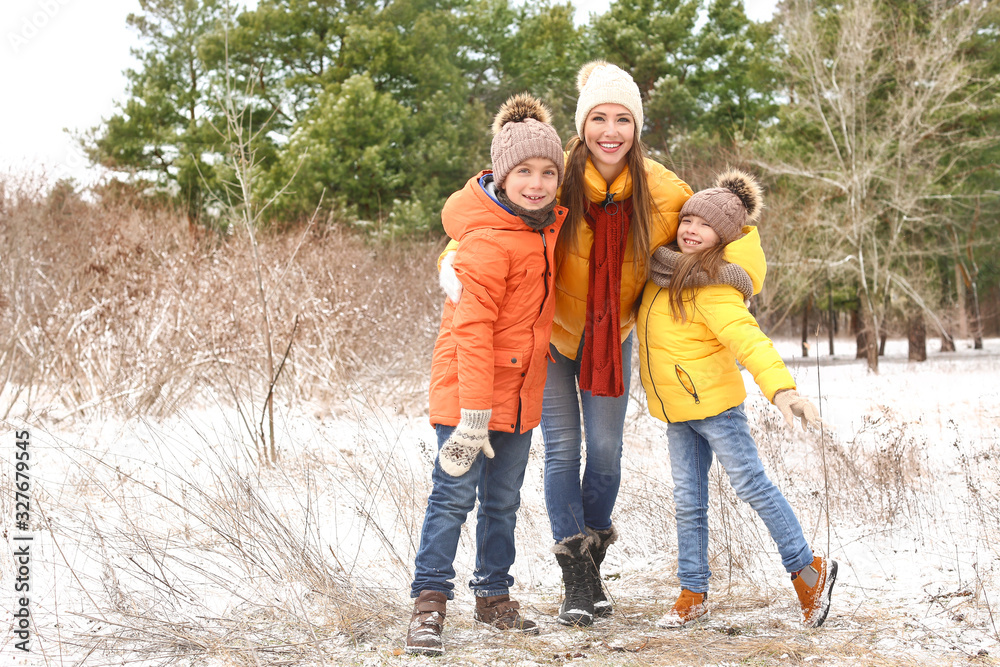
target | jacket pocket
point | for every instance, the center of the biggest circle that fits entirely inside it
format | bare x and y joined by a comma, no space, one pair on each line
508,358
685,379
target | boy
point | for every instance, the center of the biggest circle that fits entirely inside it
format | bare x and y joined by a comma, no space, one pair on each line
488,369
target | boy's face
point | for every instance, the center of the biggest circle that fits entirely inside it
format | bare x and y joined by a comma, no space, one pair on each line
695,234
533,183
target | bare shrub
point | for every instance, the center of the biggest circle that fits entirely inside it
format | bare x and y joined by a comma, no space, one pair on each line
115,307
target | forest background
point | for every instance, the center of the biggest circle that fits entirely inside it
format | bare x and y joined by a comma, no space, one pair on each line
873,123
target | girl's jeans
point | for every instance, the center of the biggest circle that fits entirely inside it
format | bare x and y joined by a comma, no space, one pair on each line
497,484
691,445
574,504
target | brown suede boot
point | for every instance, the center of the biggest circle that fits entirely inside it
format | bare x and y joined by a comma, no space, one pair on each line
426,623
501,612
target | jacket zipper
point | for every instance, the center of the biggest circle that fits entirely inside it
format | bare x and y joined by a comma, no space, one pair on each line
609,199
545,278
692,389
649,365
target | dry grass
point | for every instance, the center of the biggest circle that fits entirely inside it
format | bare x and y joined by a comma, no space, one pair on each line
115,307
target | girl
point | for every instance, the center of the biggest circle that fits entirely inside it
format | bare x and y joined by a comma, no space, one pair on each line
690,337
621,205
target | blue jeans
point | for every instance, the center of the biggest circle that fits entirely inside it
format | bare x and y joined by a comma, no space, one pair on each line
574,504
691,445
497,484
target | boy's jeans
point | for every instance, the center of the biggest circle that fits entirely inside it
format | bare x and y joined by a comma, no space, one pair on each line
573,505
691,445
497,483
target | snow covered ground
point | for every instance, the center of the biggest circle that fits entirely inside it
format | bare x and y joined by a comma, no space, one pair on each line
160,541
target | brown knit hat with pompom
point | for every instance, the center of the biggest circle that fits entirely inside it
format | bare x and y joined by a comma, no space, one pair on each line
522,130
735,201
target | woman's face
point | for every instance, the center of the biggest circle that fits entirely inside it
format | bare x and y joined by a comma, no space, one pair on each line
609,133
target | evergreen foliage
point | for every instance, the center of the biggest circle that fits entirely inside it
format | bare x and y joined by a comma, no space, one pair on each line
872,123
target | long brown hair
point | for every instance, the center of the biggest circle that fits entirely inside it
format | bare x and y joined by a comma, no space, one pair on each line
574,197
710,261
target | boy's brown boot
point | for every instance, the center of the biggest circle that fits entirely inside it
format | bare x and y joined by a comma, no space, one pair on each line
426,624
690,606
814,586
502,613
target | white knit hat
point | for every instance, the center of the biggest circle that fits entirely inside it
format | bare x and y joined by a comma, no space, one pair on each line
600,82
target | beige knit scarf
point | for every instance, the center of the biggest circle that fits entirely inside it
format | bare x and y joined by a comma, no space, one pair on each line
666,258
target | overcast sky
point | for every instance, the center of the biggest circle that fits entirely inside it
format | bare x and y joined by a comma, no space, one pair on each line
62,61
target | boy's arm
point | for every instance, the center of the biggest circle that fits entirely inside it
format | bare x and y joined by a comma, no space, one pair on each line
481,266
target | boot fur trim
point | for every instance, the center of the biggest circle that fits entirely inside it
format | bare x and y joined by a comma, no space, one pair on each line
576,545
606,537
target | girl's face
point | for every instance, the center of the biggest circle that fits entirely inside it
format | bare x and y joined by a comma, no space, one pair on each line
609,133
695,234
533,183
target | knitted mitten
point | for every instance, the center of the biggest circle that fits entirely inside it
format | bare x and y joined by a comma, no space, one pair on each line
792,404
471,435
448,280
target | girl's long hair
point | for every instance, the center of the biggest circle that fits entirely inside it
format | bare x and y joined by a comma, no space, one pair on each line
574,197
710,261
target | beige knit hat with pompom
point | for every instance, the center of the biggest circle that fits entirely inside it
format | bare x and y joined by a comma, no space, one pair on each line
600,82
735,201
522,130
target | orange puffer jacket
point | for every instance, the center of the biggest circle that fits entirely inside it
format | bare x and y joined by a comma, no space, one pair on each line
492,347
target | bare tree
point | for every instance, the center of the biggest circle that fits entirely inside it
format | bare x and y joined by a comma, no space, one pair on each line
877,93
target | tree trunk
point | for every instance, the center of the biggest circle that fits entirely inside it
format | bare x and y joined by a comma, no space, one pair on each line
917,336
805,327
859,332
977,320
870,342
881,343
960,296
947,342
831,314
872,352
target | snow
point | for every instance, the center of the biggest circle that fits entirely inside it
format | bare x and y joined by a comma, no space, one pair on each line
156,538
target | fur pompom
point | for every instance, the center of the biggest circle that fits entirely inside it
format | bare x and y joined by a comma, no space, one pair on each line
585,71
518,108
744,186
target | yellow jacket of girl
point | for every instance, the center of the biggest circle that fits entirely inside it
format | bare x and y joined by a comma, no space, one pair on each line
688,369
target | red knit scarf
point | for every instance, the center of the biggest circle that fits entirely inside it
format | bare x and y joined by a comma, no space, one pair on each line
601,361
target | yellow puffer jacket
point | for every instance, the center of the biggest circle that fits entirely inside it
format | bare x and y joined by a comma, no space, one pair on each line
689,369
669,193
